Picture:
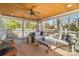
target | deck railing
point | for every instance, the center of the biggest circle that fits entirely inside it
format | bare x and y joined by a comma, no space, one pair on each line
49,31
73,32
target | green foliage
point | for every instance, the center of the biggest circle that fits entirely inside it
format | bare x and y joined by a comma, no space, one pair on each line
66,26
71,27
12,24
47,26
31,25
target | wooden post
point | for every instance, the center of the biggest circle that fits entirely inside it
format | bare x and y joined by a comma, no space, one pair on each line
72,48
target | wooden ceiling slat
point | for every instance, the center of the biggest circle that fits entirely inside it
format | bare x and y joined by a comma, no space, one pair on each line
44,10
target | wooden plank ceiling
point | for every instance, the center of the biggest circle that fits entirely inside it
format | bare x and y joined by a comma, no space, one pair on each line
41,10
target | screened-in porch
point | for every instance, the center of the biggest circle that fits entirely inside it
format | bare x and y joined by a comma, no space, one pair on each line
39,29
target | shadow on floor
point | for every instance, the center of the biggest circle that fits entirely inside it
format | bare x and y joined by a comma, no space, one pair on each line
28,49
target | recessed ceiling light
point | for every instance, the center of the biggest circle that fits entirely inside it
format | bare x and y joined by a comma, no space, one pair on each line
69,5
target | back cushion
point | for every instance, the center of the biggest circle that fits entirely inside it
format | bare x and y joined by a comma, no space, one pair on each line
67,39
63,37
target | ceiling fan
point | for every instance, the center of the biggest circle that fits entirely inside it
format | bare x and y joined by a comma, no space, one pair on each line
31,12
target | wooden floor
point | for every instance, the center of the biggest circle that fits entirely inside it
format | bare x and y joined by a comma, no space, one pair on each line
25,49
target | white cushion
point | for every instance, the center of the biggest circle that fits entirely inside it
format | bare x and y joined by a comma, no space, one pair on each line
54,40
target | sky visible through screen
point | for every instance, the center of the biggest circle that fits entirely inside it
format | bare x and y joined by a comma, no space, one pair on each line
65,19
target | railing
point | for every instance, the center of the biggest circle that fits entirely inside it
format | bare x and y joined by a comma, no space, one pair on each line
73,32
19,32
49,31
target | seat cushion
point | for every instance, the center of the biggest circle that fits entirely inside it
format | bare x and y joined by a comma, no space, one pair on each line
54,40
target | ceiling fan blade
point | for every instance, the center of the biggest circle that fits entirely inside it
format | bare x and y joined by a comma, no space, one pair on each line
31,12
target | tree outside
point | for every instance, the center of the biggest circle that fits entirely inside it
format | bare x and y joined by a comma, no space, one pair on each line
71,27
47,25
12,24
31,25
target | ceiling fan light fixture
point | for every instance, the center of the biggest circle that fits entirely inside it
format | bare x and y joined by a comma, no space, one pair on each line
30,12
